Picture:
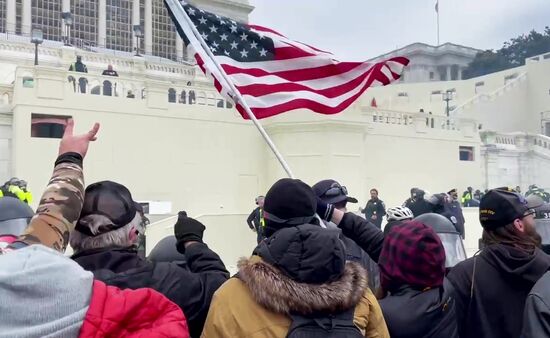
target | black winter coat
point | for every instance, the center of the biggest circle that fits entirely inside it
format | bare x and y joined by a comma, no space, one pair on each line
536,317
503,278
411,313
369,237
191,290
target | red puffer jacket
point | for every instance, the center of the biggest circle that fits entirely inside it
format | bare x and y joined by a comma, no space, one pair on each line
132,313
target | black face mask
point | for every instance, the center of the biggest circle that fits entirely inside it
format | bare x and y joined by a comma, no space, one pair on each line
546,248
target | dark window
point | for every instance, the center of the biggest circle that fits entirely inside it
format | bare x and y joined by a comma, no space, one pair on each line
172,95
432,75
48,126
466,153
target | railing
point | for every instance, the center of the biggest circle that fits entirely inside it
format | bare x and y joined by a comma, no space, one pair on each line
520,141
481,96
411,118
123,87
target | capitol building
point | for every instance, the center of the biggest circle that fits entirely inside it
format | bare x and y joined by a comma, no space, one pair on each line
178,145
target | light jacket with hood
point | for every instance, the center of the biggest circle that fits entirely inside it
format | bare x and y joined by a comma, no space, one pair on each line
299,270
491,289
45,294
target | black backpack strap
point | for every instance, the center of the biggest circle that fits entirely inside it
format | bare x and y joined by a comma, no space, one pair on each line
324,323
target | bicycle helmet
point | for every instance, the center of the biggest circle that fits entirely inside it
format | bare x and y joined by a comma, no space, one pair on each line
399,214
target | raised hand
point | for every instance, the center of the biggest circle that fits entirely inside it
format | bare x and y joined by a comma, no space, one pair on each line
77,143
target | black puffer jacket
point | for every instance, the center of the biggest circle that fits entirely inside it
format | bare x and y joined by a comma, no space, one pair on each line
411,313
191,290
493,306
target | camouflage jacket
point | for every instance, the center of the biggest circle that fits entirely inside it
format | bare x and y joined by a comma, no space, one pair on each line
59,206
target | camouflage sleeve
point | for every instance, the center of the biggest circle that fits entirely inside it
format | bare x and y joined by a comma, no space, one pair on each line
59,207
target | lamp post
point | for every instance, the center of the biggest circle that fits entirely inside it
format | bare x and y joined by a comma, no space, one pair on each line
138,32
37,37
447,96
68,23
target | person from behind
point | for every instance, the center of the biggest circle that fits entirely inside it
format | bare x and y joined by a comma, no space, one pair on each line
255,219
297,283
375,209
491,287
15,215
33,270
331,192
105,242
415,301
396,216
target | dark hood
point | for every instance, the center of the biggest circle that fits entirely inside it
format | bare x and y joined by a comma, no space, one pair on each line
517,263
306,253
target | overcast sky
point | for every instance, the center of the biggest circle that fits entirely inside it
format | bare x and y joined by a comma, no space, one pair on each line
360,29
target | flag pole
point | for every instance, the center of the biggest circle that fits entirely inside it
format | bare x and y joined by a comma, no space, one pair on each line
437,11
179,13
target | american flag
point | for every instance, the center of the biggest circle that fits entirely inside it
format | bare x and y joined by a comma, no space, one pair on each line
273,73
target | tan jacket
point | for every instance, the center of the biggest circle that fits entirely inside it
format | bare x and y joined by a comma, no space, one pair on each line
257,303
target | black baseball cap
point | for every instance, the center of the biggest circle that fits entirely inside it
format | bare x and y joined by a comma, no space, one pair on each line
500,207
109,199
332,192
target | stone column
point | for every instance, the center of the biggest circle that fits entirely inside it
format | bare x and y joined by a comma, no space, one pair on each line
149,27
10,16
102,23
460,70
26,21
179,47
135,21
448,73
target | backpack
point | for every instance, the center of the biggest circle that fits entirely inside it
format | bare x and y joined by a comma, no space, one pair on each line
325,326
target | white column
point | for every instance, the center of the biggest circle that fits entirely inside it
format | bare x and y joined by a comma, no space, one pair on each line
149,27
66,6
135,21
102,23
26,22
448,73
10,16
179,47
460,70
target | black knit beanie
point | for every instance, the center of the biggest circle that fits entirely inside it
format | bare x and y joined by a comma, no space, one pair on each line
288,203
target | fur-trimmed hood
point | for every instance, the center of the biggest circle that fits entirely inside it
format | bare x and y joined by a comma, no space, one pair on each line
279,293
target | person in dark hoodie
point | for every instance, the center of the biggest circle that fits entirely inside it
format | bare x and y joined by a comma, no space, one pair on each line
330,191
299,270
491,288
412,273
105,242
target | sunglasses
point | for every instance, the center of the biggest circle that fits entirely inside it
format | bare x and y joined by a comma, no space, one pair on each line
336,190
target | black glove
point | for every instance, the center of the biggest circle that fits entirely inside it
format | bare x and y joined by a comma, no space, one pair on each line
187,230
324,210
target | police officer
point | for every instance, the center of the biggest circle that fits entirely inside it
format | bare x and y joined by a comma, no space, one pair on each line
255,220
16,188
375,210
14,218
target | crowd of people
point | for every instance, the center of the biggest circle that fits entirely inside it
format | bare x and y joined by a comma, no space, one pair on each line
309,276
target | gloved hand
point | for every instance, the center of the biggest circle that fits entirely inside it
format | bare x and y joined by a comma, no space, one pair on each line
324,210
187,230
